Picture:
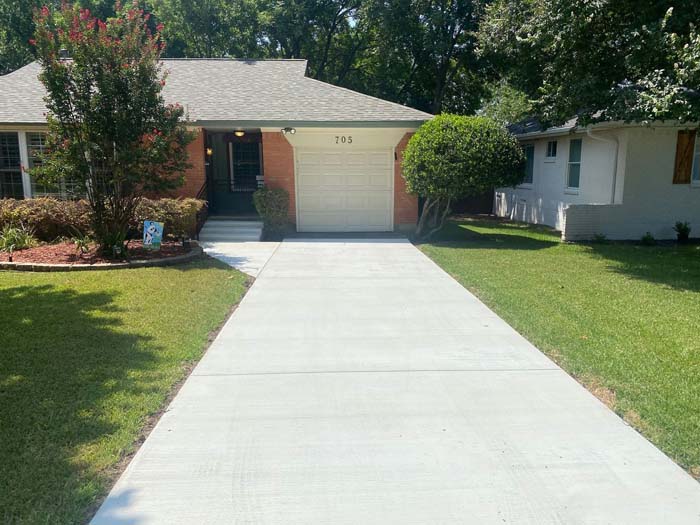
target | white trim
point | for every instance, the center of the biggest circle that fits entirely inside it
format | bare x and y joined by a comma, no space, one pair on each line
696,160
24,162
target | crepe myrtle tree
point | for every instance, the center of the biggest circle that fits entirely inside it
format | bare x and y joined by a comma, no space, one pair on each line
453,156
110,130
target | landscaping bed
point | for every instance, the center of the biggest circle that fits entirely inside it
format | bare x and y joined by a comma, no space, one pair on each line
620,317
67,253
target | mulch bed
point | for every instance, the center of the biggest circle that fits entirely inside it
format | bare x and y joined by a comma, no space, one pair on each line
68,253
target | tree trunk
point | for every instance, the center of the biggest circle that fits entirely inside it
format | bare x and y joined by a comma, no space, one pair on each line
432,219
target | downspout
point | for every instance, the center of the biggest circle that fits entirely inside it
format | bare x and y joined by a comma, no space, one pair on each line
616,142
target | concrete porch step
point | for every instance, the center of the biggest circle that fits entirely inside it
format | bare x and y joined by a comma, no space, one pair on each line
227,230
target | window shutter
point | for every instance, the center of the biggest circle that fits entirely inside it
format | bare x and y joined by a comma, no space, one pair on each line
684,156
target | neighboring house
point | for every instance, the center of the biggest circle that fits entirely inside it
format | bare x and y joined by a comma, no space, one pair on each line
337,152
616,179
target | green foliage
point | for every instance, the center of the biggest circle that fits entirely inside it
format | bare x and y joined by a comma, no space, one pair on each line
682,230
273,206
16,238
109,128
610,60
648,239
49,219
454,156
505,104
600,238
179,216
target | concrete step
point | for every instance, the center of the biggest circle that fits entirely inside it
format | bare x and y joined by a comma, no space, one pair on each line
227,230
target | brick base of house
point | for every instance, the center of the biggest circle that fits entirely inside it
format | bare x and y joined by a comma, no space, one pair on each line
278,169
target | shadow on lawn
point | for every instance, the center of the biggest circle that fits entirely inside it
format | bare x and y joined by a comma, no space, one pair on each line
64,367
495,234
676,267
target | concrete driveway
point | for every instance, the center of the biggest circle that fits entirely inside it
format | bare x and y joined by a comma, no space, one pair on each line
357,383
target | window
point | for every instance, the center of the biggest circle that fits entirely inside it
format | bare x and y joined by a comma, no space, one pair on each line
64,189
529,151
573,173
10,167
551,150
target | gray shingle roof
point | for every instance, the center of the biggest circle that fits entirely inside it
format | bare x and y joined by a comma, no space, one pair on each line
229,91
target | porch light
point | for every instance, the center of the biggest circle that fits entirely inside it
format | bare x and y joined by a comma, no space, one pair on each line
291,131
239,132
210,152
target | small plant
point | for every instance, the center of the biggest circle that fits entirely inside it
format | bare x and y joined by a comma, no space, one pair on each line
600,238
14,238
682,230
273,206
648,239
82,243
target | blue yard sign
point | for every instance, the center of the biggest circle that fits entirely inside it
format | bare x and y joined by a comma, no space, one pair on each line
152,235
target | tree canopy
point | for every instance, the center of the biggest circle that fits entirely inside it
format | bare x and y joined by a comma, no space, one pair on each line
605,59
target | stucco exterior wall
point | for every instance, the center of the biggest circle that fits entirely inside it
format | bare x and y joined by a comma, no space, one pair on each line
650,201
544,201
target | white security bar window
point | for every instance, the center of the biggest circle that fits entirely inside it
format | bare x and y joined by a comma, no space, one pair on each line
551,150
529,151
573,173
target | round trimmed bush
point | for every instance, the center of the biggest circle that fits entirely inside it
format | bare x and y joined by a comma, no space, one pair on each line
453,156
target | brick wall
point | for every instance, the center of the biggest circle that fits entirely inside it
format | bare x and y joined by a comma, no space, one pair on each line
405,205
196,175
278,166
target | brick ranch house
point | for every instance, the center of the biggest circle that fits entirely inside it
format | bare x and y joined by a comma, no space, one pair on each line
337,152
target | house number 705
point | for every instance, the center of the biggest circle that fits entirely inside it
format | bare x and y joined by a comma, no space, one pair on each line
343,139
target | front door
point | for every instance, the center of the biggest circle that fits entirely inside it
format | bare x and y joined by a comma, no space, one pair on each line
235,173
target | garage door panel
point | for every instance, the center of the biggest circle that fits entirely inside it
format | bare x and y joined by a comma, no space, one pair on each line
344,191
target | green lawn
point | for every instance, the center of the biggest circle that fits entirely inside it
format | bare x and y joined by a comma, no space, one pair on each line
85,359
623,319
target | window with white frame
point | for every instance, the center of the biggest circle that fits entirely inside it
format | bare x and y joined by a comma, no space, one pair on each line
529,150
63,189
551,150
573,172
695,178
10,167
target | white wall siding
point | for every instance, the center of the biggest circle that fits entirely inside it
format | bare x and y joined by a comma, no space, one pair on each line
544,201
651,202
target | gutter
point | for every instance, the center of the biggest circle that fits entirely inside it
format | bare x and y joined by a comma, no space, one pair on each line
616,142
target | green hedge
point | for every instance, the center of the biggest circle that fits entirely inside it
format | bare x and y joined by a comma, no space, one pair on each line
50,219
273,206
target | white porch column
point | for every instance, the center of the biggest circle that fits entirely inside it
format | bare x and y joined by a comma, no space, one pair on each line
24,159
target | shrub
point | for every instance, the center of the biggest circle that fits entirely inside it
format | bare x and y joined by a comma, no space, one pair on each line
52,219
600,238
648,239
179,216
273,206
682,230
48,219
14,238
453,156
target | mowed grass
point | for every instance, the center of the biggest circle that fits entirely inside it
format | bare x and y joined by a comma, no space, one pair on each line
85,359
622,318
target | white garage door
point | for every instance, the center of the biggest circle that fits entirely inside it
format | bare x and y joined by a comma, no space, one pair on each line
344,191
